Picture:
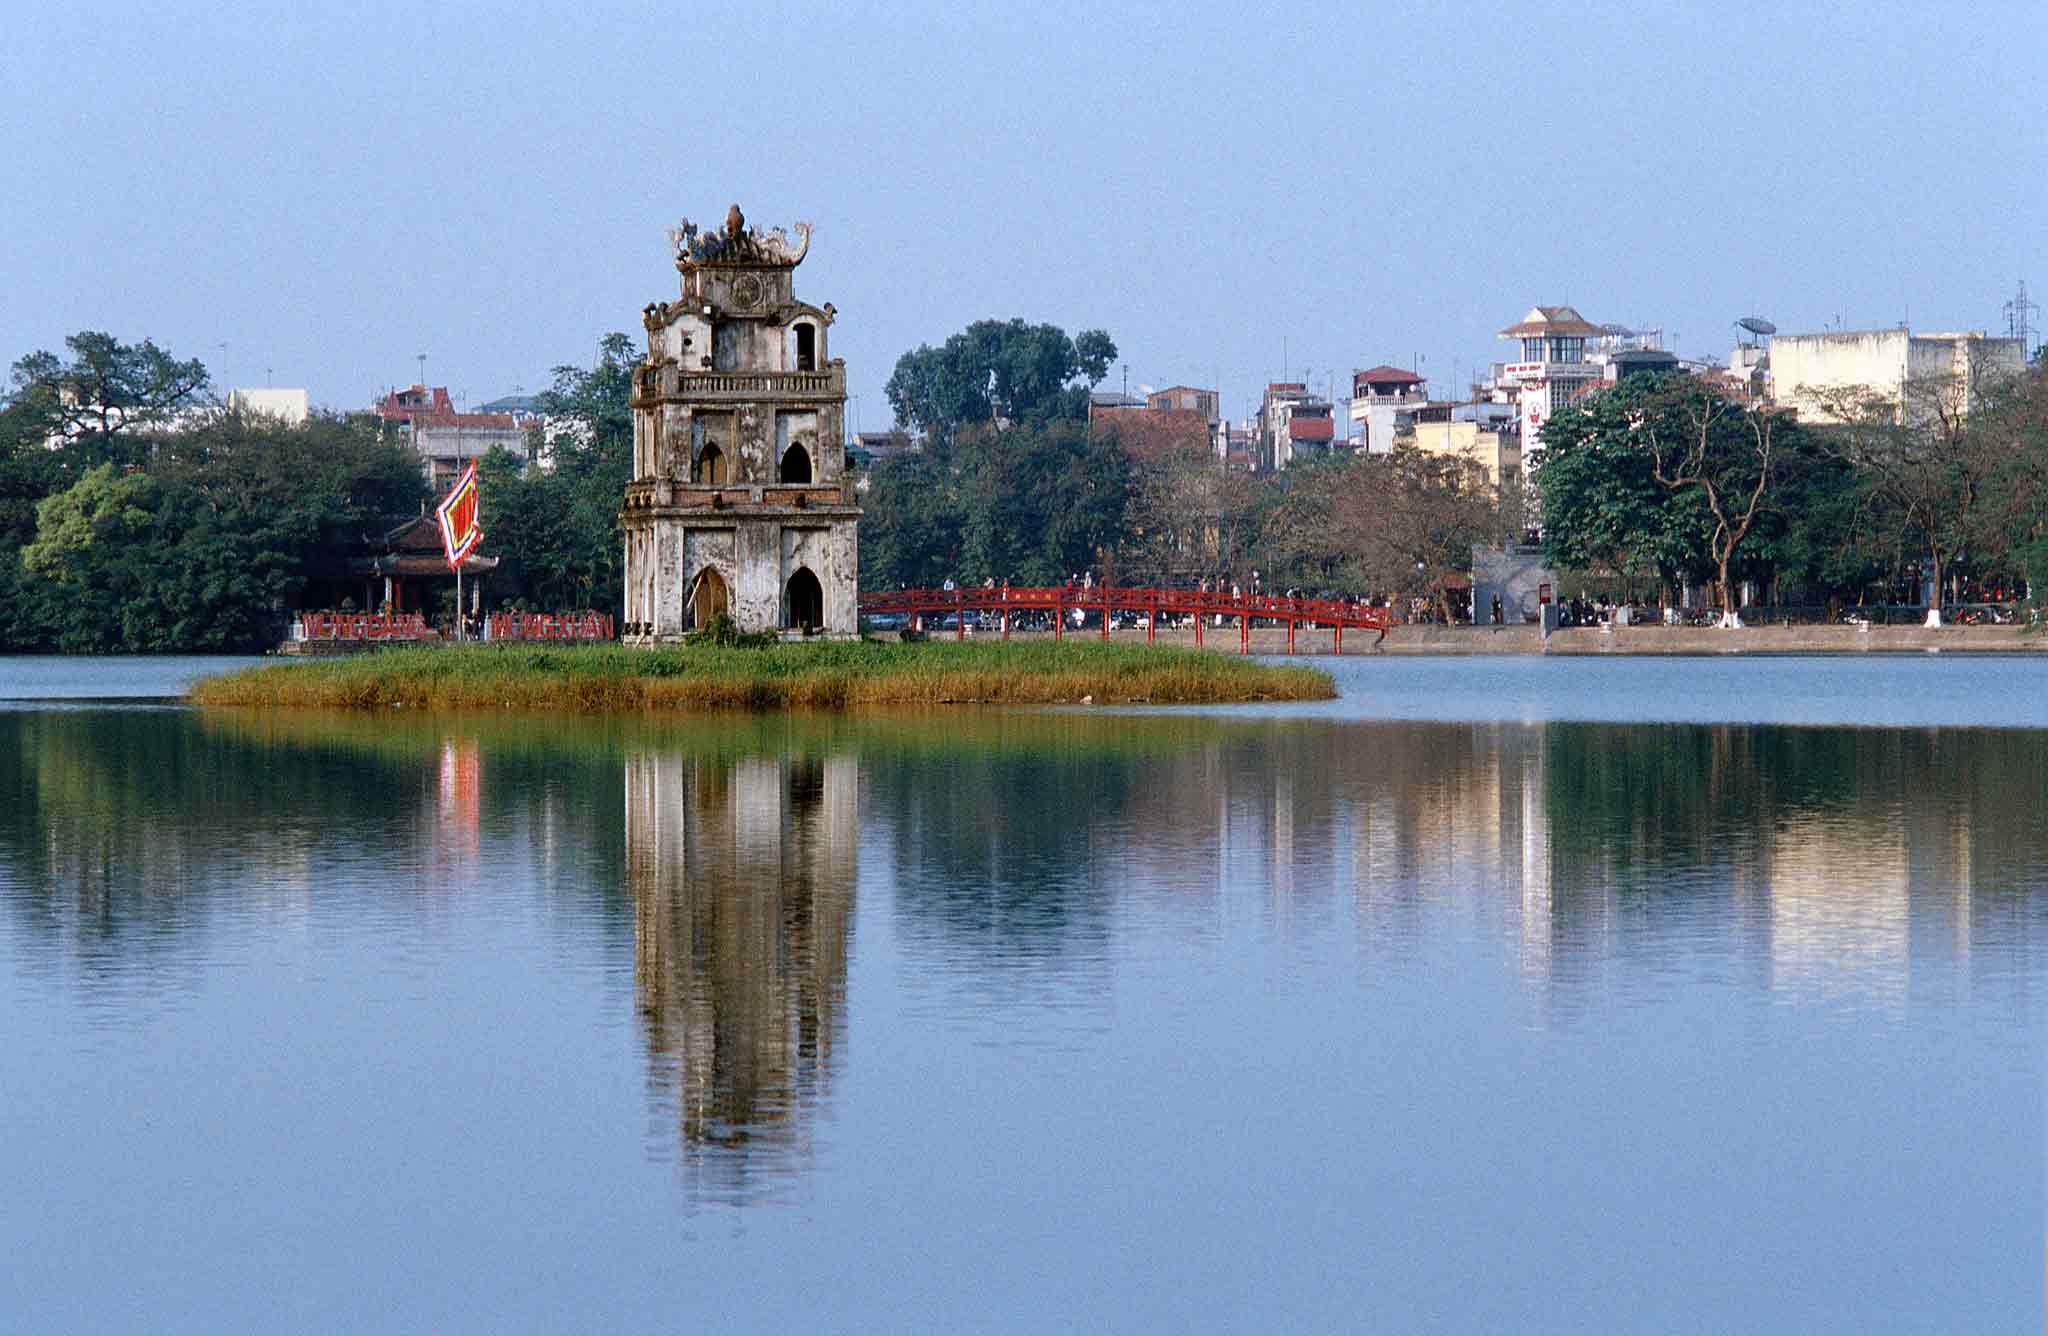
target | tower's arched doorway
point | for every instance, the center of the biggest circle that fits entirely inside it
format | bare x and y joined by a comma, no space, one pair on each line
796,464
803,601
708,598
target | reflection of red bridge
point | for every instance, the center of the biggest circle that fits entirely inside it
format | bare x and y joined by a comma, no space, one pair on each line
1062,601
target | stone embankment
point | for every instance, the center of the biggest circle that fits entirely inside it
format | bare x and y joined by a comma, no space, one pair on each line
1620,640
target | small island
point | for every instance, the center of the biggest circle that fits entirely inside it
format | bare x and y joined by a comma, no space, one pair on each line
829,675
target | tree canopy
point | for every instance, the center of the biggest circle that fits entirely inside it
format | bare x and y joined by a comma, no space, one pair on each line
556,529
997,371
105,388
1028,504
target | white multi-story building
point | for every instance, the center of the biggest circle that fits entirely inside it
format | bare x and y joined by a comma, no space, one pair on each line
1553,370
1808,369
1380,399
291,407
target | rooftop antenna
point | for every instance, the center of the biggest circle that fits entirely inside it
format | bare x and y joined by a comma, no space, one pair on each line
2016,312
223,360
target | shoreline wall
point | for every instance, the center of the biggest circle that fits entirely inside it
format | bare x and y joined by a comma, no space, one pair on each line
1591,640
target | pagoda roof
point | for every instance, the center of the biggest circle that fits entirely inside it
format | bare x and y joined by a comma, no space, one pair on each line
413,563
1561,320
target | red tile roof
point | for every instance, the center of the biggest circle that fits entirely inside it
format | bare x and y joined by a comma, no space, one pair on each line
1387,375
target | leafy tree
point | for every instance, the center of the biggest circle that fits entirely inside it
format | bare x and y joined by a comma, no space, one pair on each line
1728,455
1931,459
556,528
1410,520
910,524
91,549
1188,514
1601,504
998,372
1028,504
107,388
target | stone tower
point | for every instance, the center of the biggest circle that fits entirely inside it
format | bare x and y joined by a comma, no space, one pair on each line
739,500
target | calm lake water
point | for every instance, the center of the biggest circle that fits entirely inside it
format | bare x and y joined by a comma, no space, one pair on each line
1503,995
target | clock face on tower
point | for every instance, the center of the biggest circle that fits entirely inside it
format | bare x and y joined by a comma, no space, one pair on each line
746,291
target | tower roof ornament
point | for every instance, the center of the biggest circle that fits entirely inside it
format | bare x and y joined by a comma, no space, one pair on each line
737,245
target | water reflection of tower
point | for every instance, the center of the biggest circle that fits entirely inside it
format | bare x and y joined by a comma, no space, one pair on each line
742,874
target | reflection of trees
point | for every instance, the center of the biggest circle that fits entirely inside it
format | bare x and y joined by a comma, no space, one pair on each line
742,874
125,834
1843,854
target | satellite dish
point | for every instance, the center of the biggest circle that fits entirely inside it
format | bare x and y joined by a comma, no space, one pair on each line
1756,324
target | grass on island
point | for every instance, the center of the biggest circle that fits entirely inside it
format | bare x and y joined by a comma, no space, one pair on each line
594,679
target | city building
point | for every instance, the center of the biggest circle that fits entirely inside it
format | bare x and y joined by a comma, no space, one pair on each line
446,441
1380,400
1553,370
1147,430
1808,371
1186,399
1240,447
281,405
738,502
1496,448
1292,420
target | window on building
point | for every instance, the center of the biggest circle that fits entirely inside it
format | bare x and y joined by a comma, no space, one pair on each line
796,465
710,466
726,342
806,347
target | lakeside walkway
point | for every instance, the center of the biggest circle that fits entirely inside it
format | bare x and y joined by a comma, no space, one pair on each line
1592,640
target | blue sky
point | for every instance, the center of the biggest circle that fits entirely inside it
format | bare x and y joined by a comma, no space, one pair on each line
1230,190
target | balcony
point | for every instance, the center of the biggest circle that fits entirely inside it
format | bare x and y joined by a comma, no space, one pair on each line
673,382
741,498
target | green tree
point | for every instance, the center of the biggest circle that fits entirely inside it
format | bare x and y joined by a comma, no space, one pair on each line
1931,457
1601,505
556,527
998,372
91,549
1726,455
1028,504
106,388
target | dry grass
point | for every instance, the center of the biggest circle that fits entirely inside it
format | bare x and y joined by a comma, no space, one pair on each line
612,679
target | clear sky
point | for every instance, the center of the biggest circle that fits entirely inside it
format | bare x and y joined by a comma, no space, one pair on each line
1231,190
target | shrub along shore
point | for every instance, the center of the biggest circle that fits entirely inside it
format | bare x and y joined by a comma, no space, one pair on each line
828,675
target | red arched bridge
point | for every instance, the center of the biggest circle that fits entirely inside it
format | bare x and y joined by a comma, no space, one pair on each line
1203,606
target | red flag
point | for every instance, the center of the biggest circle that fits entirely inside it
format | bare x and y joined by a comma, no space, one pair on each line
460,532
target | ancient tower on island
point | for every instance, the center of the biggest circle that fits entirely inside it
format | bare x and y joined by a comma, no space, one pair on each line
739,501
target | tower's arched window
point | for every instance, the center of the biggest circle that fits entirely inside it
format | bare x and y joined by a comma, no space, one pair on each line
710,466
806,347
796,464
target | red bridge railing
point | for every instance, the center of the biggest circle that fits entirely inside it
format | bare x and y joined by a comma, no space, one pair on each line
1202,605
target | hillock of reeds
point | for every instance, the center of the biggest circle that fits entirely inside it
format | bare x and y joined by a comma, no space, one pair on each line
832,675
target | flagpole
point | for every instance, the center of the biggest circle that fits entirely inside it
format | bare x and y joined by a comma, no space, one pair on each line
458,600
